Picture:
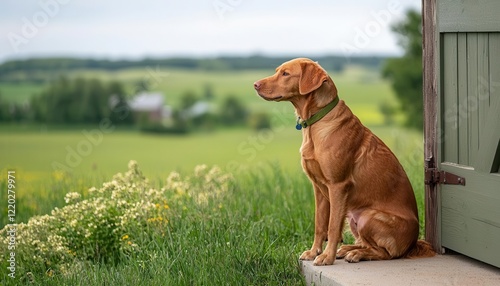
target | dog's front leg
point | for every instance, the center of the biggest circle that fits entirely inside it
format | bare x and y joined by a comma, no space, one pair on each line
338,199
321,217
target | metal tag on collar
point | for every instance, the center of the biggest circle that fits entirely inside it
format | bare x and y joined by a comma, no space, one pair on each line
300,124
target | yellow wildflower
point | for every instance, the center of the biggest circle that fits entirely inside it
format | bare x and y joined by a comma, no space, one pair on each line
58,175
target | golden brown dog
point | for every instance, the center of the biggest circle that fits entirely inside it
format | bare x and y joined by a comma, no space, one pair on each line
354,174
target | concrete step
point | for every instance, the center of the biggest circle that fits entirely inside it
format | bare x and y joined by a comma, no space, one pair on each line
452,269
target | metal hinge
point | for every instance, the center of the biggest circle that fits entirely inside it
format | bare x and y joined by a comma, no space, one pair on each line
434,176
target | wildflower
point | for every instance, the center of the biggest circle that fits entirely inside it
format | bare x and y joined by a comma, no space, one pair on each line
72,197
200,170
58,175
132,165
213,174
173,177
125,237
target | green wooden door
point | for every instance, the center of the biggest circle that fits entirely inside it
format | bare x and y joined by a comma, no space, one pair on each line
469,126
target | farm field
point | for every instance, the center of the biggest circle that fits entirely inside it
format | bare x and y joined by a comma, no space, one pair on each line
361,88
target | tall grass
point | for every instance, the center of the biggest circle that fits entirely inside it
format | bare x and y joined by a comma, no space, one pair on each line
252,235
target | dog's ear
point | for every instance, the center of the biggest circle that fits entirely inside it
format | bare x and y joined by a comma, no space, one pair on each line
311,77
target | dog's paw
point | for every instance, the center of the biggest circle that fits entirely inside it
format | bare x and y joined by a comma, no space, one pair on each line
324,259
353,256
341,253
308,255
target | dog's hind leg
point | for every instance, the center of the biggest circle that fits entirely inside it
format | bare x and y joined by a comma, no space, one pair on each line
381,236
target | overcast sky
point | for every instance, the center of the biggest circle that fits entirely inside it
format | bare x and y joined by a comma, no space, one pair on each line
156,28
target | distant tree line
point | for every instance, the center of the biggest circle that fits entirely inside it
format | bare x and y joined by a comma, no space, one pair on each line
80,101
72,101
37,69
89,101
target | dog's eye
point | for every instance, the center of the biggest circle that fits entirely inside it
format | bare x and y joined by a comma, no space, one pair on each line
285,73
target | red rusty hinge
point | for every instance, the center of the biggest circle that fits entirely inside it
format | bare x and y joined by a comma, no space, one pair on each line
434,176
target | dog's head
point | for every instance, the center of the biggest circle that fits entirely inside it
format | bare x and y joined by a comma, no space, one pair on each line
294,79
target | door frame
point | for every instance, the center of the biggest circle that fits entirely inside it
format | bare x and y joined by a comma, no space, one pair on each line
430,61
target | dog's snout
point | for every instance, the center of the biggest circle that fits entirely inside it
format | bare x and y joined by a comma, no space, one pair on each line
257,85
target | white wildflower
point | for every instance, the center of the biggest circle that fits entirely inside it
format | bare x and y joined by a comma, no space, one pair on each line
72,197
132,165
200,170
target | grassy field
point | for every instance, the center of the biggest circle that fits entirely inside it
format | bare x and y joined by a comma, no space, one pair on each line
251,235
44,158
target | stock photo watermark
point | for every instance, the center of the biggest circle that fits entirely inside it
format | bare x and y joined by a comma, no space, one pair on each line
222,7
363,36
12,228
249,148
32,25
460,112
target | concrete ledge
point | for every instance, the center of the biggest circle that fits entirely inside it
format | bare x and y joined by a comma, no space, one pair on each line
438,270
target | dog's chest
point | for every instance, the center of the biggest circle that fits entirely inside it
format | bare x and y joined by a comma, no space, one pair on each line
310,163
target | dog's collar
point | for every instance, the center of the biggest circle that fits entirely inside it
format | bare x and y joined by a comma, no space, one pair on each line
317,116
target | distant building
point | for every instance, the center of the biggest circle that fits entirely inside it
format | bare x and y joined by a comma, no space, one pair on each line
149,107
198,109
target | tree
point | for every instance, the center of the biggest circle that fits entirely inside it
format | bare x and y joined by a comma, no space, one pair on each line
405,72
4,110
188,99
260,121
208,92
120,111
233,112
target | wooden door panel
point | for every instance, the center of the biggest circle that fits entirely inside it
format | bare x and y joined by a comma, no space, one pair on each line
470,120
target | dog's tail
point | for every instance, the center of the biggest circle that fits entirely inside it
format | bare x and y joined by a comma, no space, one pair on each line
421,249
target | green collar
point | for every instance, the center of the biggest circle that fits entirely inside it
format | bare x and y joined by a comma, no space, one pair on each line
317,116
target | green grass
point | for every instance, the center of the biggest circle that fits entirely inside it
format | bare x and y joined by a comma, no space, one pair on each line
32,155
252,236
38,152
37,156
